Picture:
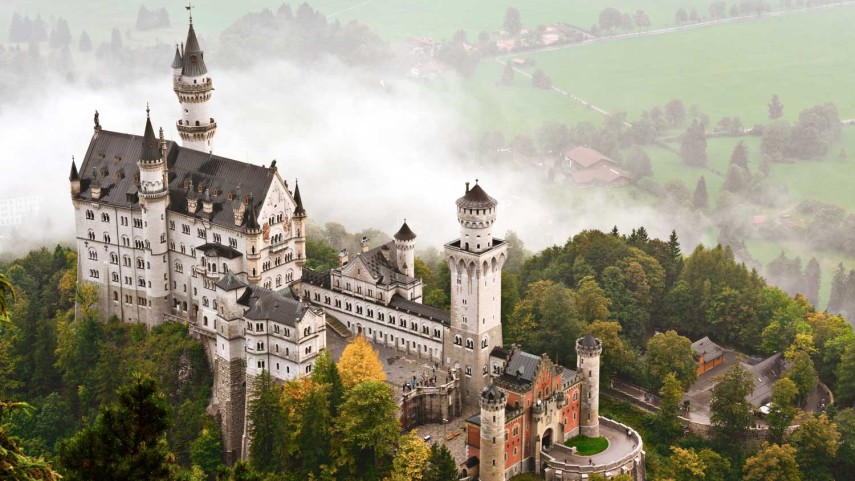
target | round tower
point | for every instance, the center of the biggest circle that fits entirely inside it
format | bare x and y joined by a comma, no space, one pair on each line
154,198
405,245
492,434
193,87
299,228
252,230
588,351
476,212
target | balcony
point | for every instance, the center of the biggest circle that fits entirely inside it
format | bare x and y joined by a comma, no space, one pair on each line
279,246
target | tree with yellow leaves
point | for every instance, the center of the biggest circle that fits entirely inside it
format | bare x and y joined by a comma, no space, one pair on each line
360,362
410,459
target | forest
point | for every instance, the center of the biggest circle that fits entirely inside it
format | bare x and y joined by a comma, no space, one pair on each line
84,381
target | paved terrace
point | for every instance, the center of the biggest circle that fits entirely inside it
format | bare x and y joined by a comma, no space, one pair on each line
622,447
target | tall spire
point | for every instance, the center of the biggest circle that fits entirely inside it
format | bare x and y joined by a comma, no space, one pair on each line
74,175
150,150
299,210
194,57
177,61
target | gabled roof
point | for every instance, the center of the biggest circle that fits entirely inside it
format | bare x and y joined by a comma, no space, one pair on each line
382,264
229,282
598,174
586,157
521,367
476,198
315,278
194,58
265,304
765,374
405,233
708,349
112,151
500,352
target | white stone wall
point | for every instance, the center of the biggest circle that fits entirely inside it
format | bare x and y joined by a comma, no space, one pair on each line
403,338
492,450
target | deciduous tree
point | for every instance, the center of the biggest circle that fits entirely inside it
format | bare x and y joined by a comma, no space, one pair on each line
816,447
772,462
360,362
411,459
667,423
731,411
782,409
670,352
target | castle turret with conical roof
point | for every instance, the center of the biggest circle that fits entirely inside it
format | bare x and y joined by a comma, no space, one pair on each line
193,86
405,244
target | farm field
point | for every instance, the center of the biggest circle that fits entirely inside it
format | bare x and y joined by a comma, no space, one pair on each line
398,19
511,109
727,70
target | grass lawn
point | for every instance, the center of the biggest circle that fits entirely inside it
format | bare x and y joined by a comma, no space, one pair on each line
727,70
586,446
624,412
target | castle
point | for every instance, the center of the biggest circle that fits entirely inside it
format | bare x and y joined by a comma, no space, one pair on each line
174,233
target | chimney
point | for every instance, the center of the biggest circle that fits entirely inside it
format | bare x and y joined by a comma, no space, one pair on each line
95,186
239,210
467,188
207,202
364,244
342,258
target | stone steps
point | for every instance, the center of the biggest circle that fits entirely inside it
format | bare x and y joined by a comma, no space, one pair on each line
338,327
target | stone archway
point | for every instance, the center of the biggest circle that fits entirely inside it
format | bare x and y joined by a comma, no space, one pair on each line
546,439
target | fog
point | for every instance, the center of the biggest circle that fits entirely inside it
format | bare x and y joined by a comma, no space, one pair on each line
369,148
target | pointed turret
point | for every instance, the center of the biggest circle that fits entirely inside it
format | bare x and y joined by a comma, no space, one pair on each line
252,220
177,61
405,233
193,87
299,210
194,57
74,178
151,147
405,245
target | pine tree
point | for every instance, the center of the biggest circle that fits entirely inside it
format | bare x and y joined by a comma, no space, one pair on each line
736,179
740,155
267,425
776,108
326,372
440,465
126,441
366,432
693,149
85,44
838,290
315,433
812,278
701,199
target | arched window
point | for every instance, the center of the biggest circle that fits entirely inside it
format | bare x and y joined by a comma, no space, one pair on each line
115,277
470,344
458,340
107,238
484,342
93,255
205,302
90,215
179,267
278,281
116,296
91,235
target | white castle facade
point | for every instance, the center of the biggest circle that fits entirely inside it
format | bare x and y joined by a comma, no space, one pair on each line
174,233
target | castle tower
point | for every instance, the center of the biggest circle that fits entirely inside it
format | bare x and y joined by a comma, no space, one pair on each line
405,244
230,366
588,351
193,86
253,243
492,462
299,227
475,262
154,198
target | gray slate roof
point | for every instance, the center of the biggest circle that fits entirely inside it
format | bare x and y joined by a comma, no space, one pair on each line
521,368
265,304
229,282
113,153
765,374
405,233
177,61
219,250
315,278
705,347
476,198
386,270
194,57
425,312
